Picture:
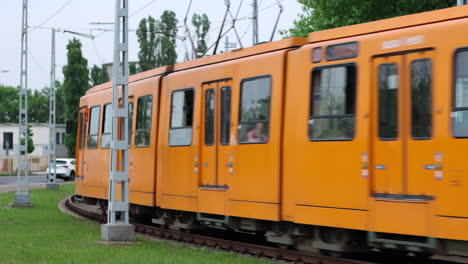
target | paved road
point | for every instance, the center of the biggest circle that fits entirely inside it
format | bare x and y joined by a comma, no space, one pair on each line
11,180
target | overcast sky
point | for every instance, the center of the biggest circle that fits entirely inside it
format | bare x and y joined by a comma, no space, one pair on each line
76,15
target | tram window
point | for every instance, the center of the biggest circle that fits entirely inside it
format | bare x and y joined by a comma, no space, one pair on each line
180,133
225,114
333,100
421,99
143,121
93,131
460,108
209,116
388,101
106,126
254,115
130,123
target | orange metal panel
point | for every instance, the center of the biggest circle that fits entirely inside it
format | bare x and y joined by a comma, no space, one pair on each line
212,201
253,210
142,198
179,203
250,178
142,160
79,187
409,218
451,227
242,53
335,217
93,191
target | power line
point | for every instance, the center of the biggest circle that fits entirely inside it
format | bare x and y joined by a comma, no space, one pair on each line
36,62
53,15
134,13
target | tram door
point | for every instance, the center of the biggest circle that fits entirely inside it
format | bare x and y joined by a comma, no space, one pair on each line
404,155
214,145
81,144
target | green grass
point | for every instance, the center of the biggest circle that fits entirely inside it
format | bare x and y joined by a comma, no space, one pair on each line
43,234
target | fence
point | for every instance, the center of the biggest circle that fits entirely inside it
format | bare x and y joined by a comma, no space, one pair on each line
9,164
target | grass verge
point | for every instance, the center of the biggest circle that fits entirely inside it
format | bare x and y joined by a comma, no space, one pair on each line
43,234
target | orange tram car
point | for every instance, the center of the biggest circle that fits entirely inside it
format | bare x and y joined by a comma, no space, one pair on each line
349,140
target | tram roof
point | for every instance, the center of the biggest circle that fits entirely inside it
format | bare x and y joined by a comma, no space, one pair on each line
241,53
133,78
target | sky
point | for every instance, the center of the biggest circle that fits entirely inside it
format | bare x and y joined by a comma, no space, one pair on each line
76,15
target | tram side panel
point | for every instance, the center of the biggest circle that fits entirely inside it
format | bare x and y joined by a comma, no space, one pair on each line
418,189
247,176
144,110
326,140
94,136
93,158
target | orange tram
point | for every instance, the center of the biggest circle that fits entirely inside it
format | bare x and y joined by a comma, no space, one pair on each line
349,140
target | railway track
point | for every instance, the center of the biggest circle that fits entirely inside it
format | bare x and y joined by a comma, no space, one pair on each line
221,244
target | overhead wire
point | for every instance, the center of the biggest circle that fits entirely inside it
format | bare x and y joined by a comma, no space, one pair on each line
134,13
36,61
53,15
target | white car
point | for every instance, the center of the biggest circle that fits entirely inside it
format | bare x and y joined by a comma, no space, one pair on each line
65,169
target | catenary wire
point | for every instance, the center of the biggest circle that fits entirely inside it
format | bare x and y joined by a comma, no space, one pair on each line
53,15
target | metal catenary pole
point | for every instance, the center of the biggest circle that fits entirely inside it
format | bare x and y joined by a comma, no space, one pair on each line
22,197
119,145
118,227
51,173
255,22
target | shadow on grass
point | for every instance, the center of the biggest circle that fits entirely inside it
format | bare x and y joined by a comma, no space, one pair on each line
43,234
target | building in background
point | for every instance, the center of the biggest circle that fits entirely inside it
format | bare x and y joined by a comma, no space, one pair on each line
38,158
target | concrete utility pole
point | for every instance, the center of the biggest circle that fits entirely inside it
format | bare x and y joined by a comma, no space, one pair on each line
118,227
255,22
22,197
51,173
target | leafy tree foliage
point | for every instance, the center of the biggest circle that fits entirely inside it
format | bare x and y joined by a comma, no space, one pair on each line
38,105
75,84
157,40
30,141
8,104
132,68
202,26
166,50
324,14
59,103
98,75
146,34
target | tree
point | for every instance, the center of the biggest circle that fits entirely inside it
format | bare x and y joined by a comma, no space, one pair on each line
324,14
202,26
146,34
59,103
98,75
157,40
75,84
9,104
38,105
132,68
30,141
166,43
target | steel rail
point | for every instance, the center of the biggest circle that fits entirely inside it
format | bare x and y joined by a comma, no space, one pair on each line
223,244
